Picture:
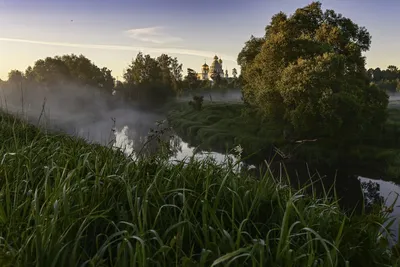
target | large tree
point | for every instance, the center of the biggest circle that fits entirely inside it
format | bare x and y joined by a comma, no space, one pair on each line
191,79
152,80
171,72
53,71
49,72
15,78
85,72
250,50
310,74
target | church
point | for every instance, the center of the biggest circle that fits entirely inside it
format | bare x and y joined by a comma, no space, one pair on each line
216,67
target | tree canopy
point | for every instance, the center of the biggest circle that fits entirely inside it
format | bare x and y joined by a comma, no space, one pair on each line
191,79
15,77
249,52
146,79
152,79
69,69
309,72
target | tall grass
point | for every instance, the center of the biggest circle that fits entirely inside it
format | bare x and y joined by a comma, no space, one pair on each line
64,202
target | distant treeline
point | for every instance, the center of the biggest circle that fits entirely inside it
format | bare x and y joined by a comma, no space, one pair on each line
388,79
146,79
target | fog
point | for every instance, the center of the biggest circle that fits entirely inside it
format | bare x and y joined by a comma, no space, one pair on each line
232,95
86,112
93,114
394,97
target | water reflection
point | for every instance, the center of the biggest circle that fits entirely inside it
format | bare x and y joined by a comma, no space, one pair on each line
354,192
137,136
388,191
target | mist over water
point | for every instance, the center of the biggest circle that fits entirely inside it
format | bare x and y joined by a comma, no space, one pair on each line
86,112
394,98
232,95
98,116
105,118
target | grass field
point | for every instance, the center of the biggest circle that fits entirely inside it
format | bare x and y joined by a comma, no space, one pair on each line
64,202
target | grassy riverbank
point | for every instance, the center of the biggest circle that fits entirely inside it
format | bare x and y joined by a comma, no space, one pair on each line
222,126
64,202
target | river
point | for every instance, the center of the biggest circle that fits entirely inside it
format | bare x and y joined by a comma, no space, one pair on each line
373,188
128,127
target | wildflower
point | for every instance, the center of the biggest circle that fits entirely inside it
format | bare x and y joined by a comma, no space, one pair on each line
238,150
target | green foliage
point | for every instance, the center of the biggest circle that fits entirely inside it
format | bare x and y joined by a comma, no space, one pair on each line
192,82
59,70
197,102
249,52
152,80
310,74
15,78
171,72
191,79
56,71
64,202
221,127
146,80
388,80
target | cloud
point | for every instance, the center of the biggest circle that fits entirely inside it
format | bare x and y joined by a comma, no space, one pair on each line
152,35
166,50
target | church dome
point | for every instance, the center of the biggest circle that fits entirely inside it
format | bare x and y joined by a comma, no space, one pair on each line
220,61
215,57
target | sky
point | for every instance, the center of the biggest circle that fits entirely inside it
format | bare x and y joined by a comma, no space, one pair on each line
112,32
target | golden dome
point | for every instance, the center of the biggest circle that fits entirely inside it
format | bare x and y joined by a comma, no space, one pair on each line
215,57
220,61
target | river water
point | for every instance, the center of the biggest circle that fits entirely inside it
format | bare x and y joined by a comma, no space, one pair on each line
374,189
128,128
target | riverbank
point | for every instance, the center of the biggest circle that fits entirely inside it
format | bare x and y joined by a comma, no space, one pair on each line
222,126
65,202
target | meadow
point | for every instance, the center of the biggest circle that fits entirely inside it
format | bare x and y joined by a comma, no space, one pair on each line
66,202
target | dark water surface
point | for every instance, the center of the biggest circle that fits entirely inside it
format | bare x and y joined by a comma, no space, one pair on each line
128,128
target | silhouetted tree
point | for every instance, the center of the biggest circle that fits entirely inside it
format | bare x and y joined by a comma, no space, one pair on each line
191,79
15,77
152,81
234,73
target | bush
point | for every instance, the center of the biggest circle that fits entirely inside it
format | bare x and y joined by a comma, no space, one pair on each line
197,102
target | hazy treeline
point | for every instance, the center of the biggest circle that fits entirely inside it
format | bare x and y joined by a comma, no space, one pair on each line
146,80
73,94
388,79
192,82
